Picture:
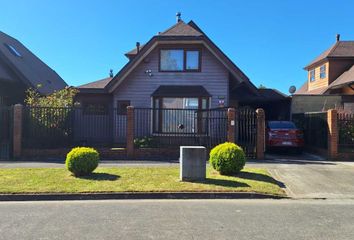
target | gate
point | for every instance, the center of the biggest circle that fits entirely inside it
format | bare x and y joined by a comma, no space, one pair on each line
6,132
246,130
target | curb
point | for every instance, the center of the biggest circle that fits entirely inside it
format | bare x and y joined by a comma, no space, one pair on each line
136,195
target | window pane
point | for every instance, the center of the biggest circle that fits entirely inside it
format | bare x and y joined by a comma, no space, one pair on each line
190,103
192,60
171,60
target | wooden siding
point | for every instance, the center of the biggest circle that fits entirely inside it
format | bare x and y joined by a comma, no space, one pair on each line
138,86
318,82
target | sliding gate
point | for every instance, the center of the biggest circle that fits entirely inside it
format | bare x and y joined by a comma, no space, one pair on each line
6,131
246,130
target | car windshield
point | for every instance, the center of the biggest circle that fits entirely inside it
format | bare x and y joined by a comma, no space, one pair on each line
281,125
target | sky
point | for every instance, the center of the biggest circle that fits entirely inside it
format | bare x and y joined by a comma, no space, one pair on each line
270,41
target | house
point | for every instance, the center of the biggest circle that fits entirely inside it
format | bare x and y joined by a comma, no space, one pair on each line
177,68
330,81
20,69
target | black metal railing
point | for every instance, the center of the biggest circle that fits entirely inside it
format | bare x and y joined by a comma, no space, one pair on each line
346,132
175,127
6,132
315,128
246,130
45,127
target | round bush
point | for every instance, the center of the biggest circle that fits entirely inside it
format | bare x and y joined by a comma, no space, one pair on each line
82,161
227,158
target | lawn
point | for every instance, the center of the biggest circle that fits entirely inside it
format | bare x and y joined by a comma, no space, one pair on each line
133,179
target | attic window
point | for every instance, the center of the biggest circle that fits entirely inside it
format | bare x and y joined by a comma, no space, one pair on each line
323,71
312,75
13,50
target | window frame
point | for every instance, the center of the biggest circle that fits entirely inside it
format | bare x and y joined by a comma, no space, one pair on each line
158,123
87,111
185,50
314,75
121,111
323,71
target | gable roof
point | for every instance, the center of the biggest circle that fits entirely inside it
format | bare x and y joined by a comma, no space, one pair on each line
23,65
179,29
338,50
180,32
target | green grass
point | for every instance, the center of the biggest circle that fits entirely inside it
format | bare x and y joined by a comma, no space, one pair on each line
132,179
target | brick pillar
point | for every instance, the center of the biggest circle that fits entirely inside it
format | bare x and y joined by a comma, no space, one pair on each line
332,121
231,125
130,131
260,139
17,131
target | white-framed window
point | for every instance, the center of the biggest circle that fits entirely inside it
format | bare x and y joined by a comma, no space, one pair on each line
323,73
312,75
179,60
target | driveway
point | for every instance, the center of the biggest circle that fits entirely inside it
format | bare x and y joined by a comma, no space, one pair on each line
309,176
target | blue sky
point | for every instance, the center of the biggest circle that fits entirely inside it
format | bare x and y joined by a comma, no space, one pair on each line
271,41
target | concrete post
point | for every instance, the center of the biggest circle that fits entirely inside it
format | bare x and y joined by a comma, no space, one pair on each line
260,144
332,121
231,125
192,163
17,131
130,131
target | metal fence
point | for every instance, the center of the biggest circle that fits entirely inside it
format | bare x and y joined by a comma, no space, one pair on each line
315,128
172,128
6,132
346,133
45,127
246,130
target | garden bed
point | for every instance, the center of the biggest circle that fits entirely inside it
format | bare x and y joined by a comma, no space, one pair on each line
133,179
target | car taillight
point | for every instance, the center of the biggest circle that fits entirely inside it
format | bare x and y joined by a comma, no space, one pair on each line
299,134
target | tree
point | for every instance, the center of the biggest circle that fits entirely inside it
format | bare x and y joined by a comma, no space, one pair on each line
60,98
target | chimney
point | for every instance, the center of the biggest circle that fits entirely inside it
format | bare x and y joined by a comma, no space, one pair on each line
137,47
178,16
338,37
111,73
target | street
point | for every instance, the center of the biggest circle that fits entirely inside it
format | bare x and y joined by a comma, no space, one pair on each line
178,219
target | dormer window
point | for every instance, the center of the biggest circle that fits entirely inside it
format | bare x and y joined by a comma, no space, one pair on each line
323,71
179,60
312,75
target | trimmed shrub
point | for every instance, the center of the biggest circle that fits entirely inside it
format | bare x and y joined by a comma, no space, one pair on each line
82,161
227,158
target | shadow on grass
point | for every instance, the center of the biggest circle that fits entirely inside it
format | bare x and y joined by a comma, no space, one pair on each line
223,182
100,177
259,177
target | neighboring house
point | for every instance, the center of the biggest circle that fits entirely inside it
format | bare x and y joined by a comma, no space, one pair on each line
330,81
20,69
178,68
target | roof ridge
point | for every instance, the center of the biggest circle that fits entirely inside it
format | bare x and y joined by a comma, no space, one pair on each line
333,48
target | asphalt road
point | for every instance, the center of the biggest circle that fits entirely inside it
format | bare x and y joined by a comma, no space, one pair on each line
178,219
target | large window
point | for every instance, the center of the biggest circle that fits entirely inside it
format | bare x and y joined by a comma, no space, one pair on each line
178,60
179,115
323,71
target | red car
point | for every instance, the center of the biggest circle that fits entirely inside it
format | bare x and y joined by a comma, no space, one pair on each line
281,134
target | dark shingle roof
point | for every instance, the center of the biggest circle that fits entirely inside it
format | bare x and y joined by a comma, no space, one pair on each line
339,49
96,84
179,29
180,91
272,94
27,67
